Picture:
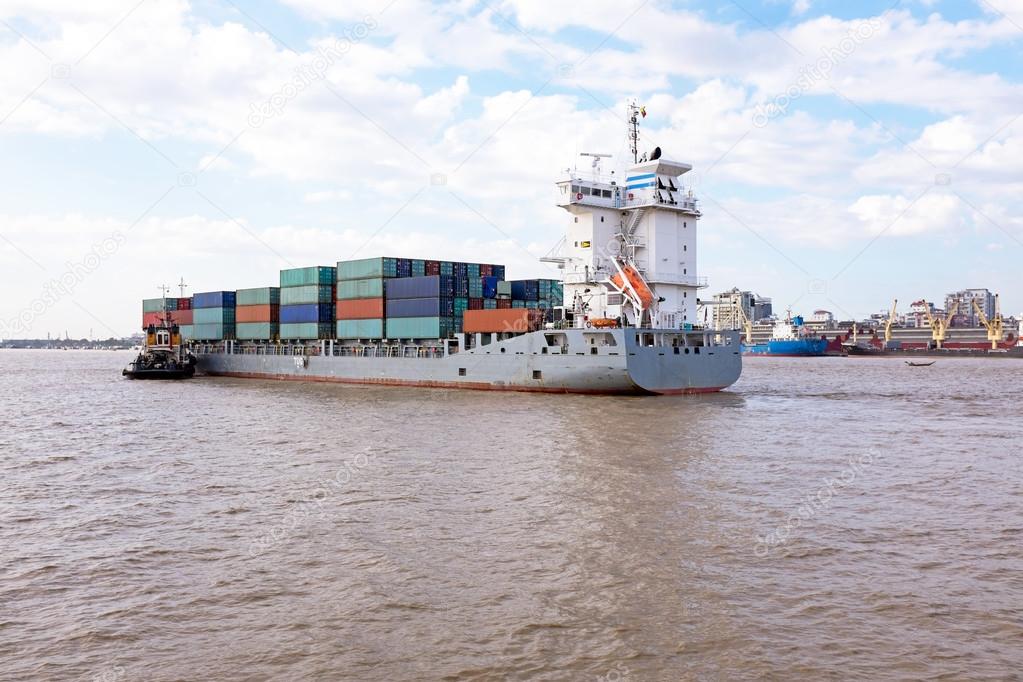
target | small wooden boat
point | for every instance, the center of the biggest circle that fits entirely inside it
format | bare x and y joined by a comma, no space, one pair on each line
920,364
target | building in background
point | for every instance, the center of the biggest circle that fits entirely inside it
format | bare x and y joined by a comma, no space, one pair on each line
756,308
966,316
917,315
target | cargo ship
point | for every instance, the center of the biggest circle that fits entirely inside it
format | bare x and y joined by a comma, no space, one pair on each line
788,339
618,320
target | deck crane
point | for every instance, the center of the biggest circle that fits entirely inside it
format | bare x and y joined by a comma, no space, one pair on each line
888,325
995,326
940,325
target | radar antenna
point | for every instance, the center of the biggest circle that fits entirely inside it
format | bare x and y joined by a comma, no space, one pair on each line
595,165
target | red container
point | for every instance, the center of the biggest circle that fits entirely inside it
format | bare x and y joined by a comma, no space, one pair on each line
180,317
486,270
503,303
502,320
257,313
475,304
185,304
432,267
151,318
360,309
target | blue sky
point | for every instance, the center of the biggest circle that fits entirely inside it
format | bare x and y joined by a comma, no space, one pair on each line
845,153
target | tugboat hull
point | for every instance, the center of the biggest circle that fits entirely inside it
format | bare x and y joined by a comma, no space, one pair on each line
160,374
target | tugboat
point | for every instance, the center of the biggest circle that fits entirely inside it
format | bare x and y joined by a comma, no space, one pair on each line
163,356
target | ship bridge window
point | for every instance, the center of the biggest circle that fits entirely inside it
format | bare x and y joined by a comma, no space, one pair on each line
606,194
575,189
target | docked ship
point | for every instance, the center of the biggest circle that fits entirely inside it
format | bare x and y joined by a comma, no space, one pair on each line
790,338
625,324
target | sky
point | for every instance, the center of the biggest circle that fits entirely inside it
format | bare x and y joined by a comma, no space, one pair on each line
844,154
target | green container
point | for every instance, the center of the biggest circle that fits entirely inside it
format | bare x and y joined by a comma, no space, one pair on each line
489,303
257,331
259,296
155,305
419,327
304,331
418,268
518,304
212,332
203,316
461,305
300,277
504,289
360,329
313,293
360,288
187,333
367,268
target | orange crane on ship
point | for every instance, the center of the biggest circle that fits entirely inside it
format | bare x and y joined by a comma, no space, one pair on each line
995,327
940,325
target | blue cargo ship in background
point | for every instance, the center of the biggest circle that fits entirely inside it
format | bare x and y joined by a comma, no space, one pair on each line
789,339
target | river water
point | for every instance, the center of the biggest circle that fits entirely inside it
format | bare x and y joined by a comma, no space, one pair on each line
847,519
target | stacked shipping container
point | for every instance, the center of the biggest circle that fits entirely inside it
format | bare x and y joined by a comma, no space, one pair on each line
360,296
258,314
307,303
372,298
213,316
420,307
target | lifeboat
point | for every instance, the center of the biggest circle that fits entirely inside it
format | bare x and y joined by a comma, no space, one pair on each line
636,283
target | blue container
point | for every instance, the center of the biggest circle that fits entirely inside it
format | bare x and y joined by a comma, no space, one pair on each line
525,290
420,307
214,299
461,269
498,271
404,267
490,287
432,286
311,312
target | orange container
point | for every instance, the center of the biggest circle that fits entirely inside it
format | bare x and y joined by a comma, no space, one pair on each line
257,313
501,320
360,309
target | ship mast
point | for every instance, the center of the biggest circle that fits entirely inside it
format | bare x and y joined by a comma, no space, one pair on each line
634,129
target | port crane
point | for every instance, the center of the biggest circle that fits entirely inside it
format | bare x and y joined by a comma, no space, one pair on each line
940,325
747,324
995,326
888,325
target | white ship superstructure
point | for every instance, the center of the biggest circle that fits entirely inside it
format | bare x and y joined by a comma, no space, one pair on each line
628,323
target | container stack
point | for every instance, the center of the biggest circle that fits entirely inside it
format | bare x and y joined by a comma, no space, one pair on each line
360,296
420,307
307,303
542,294
153,310
213,316
258,314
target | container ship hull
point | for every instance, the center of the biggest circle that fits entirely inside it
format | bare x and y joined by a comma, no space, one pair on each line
618,361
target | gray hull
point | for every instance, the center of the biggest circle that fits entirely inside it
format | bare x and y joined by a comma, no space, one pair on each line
564,361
